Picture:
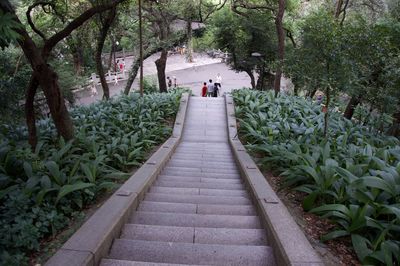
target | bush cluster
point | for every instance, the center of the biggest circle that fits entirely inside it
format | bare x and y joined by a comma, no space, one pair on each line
351,177
41,190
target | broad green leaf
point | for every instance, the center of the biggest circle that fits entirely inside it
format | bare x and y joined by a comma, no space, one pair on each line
66,189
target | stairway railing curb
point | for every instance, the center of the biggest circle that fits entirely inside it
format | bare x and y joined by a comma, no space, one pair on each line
288,241
92,241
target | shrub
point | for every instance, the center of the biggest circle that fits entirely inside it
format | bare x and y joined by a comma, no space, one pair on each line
40,190
351,177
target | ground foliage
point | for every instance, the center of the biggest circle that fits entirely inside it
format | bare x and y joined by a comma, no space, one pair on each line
41,190
351,177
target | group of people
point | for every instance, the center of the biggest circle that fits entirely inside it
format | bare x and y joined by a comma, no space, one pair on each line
169,82
212,89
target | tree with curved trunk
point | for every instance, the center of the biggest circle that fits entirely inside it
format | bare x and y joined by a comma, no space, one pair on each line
105,24
281,45
43,75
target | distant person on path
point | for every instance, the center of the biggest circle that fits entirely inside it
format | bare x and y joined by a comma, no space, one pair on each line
175,83
93,88
210,88
319,98
169,82
216,90
218,80
204,90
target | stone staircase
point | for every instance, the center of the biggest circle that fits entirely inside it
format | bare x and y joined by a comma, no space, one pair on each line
198,211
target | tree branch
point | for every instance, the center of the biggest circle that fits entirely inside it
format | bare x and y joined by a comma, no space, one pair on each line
29,18
52,41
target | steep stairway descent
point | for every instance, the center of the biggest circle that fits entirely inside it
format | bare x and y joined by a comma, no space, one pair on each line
198,211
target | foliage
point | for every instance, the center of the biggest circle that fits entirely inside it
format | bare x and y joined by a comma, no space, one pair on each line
243,35
14,77
353,177
7,29
359,59
40,189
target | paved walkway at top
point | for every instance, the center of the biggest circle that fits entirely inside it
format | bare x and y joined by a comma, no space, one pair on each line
198,211
191,75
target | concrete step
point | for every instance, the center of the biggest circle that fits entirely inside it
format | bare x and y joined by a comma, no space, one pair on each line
200,179
197,199
202,158
198,191
210,170
151,206
176,172
214,185
246,210
189,253
112,262
223,236
195,220
200,163
203,151
175,190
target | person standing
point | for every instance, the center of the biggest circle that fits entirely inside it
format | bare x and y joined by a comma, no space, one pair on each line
169,82
210,88
204,90
216,90
218,80
175,82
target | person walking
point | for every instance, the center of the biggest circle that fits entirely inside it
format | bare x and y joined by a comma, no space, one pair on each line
218,80
204,90
210,88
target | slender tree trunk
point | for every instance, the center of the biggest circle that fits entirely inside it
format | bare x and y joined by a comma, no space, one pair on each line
77,55
132,75
110,58
281,45
30,111
135,68
351,106
189,41
252,79
312,93
106,24
394,130
160,64
326,116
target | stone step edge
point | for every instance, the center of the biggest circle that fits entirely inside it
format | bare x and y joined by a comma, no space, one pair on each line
92,241
288,241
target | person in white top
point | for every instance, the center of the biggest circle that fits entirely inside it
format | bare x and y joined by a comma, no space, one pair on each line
218,80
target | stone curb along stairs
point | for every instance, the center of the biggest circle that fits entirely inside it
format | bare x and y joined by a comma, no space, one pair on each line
289,243
94,238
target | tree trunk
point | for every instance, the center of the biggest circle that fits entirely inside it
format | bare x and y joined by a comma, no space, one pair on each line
312,93
326,117
110,58
351,106
394,130
132,75
189,41
43,73
30,111
252,79
281,45
77,55
105,26
160,64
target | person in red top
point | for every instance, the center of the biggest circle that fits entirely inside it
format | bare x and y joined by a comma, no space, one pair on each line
204,90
